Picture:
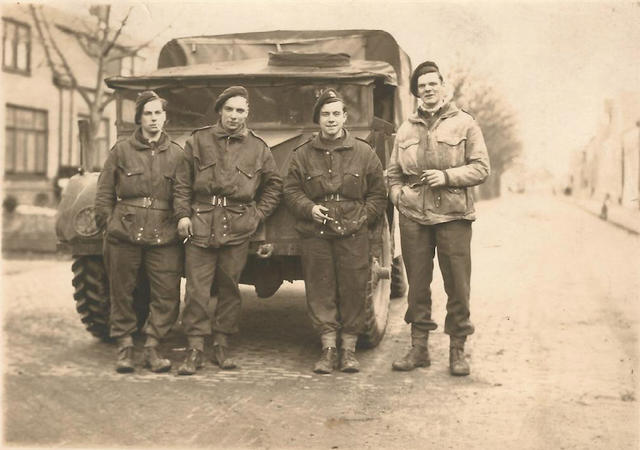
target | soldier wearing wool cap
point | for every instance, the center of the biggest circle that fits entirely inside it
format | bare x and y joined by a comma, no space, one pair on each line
438,155
136,205
335,189
226,185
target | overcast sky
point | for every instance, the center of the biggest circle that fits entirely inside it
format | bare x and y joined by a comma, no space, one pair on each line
554,63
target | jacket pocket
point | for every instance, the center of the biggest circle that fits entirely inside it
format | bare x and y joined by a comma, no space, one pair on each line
451,146
243,219
248,172
125,224
203,165
453,201
247,181
408,143
201,220
313,185
130,182
411,198
352,185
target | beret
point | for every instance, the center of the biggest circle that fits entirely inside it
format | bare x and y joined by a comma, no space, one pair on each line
143,98
233,91
328,96
425,67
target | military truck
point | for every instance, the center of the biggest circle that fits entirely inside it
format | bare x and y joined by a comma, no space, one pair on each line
284,72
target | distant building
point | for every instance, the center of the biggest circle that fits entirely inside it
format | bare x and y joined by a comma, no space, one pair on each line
40,109
609,165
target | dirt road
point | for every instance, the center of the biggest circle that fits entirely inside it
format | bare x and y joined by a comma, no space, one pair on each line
554,359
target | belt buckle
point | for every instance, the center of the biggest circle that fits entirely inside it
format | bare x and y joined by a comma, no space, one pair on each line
146,202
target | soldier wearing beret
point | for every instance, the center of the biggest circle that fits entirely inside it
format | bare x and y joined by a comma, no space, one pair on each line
335,188
226,185
438,154
135,200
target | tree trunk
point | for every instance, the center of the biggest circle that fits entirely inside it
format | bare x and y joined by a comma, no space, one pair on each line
491,187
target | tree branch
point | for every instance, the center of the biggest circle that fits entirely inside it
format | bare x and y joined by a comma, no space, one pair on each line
65,63
108,98
109,46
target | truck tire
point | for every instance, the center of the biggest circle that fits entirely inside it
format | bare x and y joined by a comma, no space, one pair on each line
91,295
398,278
378,294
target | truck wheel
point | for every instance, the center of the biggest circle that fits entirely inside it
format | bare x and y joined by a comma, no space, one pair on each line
378,290
398,278
92,295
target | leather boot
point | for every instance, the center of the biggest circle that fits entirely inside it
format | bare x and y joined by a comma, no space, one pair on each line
458,365
328,361
418,355
125,360
154,362
348,361
192,362
221,357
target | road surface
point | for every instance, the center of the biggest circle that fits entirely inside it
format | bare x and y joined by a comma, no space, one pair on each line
554,359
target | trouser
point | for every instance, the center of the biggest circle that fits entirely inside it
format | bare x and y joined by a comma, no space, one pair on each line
453,242
336,274
163,266
202,313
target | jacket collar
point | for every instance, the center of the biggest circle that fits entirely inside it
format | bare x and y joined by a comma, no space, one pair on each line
220,133
346,142
139,142
447,110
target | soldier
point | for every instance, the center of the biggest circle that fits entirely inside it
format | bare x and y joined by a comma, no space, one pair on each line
134,199
438,154
335,187
226,184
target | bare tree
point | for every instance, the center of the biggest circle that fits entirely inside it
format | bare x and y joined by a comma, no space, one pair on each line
100,40
497,121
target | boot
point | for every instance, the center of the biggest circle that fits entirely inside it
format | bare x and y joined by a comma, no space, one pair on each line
221,357
192,362
348,361
418,355
328,361
125,360
458,365
154,362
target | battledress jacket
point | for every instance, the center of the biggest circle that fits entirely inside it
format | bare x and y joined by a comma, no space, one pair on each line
135,190
227,183
346,178
452,143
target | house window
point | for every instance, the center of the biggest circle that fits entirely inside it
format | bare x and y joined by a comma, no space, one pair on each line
16,47
26,133
101,143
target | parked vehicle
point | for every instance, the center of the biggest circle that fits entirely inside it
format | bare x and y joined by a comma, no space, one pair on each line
284,72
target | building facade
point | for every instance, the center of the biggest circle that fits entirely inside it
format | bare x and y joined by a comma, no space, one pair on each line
41,110
608,167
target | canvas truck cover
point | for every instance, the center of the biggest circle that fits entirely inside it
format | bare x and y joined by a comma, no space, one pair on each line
198,54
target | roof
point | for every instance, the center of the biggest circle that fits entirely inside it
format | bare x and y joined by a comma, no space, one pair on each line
256,69
376,45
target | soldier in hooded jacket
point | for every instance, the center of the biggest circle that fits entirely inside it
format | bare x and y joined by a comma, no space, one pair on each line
335,188
135,200
227,183
439,154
